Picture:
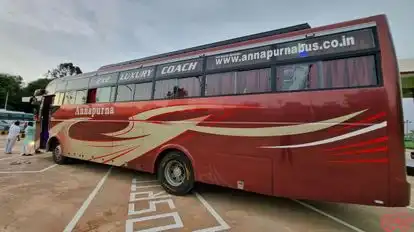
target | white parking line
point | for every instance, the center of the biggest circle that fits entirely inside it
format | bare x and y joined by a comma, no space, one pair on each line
329,216
177,219
6,158
18,156
135,181
86,203
223,225
147,186
20,172
410,207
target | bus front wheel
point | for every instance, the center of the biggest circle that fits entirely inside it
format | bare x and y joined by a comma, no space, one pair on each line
175,174
58,156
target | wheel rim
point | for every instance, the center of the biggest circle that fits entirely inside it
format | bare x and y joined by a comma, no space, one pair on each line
58,153
174,173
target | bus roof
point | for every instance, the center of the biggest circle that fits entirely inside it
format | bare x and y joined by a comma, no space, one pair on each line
232,44
78,76
54,85
212,45
250,42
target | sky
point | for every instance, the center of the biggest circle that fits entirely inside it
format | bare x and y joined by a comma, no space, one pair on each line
38,35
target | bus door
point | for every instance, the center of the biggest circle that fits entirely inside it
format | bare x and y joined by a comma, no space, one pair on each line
44,120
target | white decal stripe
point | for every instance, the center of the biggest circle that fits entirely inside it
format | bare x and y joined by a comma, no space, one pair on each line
334,139
276,131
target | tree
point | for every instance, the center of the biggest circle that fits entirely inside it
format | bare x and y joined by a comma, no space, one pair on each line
12,85
36,84
62,70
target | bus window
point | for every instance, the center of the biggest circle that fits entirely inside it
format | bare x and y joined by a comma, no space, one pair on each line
105,94
91,96
80,97
143,91
125,93
178,88
342,73
253,81
294,77
69,97
58,100
351,72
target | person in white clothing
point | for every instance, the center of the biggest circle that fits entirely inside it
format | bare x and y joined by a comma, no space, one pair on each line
14,134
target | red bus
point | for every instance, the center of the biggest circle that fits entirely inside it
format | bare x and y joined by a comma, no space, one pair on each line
299,112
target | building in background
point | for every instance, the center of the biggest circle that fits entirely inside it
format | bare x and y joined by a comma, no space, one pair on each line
406,67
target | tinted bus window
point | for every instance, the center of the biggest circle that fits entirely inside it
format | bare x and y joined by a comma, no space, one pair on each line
58,100
253,81
143,91
106,94
75,84
125,92
178,88
80,97
69,98
342,73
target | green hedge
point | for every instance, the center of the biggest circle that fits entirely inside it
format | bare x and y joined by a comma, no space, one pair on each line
409,144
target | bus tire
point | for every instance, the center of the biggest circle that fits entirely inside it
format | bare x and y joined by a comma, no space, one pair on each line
58,156
176,174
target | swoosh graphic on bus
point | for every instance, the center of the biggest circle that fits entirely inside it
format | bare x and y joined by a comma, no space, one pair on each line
276,131
243,132
336,138
170,109
162,133
143,116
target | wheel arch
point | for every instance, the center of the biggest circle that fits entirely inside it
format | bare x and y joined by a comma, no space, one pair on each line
52,143
170,148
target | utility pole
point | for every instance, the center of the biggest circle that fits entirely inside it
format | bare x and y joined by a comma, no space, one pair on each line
7,98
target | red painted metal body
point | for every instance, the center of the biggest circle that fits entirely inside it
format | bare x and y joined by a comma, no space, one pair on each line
357,160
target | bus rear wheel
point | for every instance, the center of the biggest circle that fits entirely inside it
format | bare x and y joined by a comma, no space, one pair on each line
175,174
58,156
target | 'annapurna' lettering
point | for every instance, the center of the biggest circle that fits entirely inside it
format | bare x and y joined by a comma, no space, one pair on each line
92,111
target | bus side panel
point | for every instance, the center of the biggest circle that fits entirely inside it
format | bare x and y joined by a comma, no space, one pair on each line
399,187
84,137
218,160
345,162
324,171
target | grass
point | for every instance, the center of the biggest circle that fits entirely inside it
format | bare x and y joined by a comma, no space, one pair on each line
409,144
